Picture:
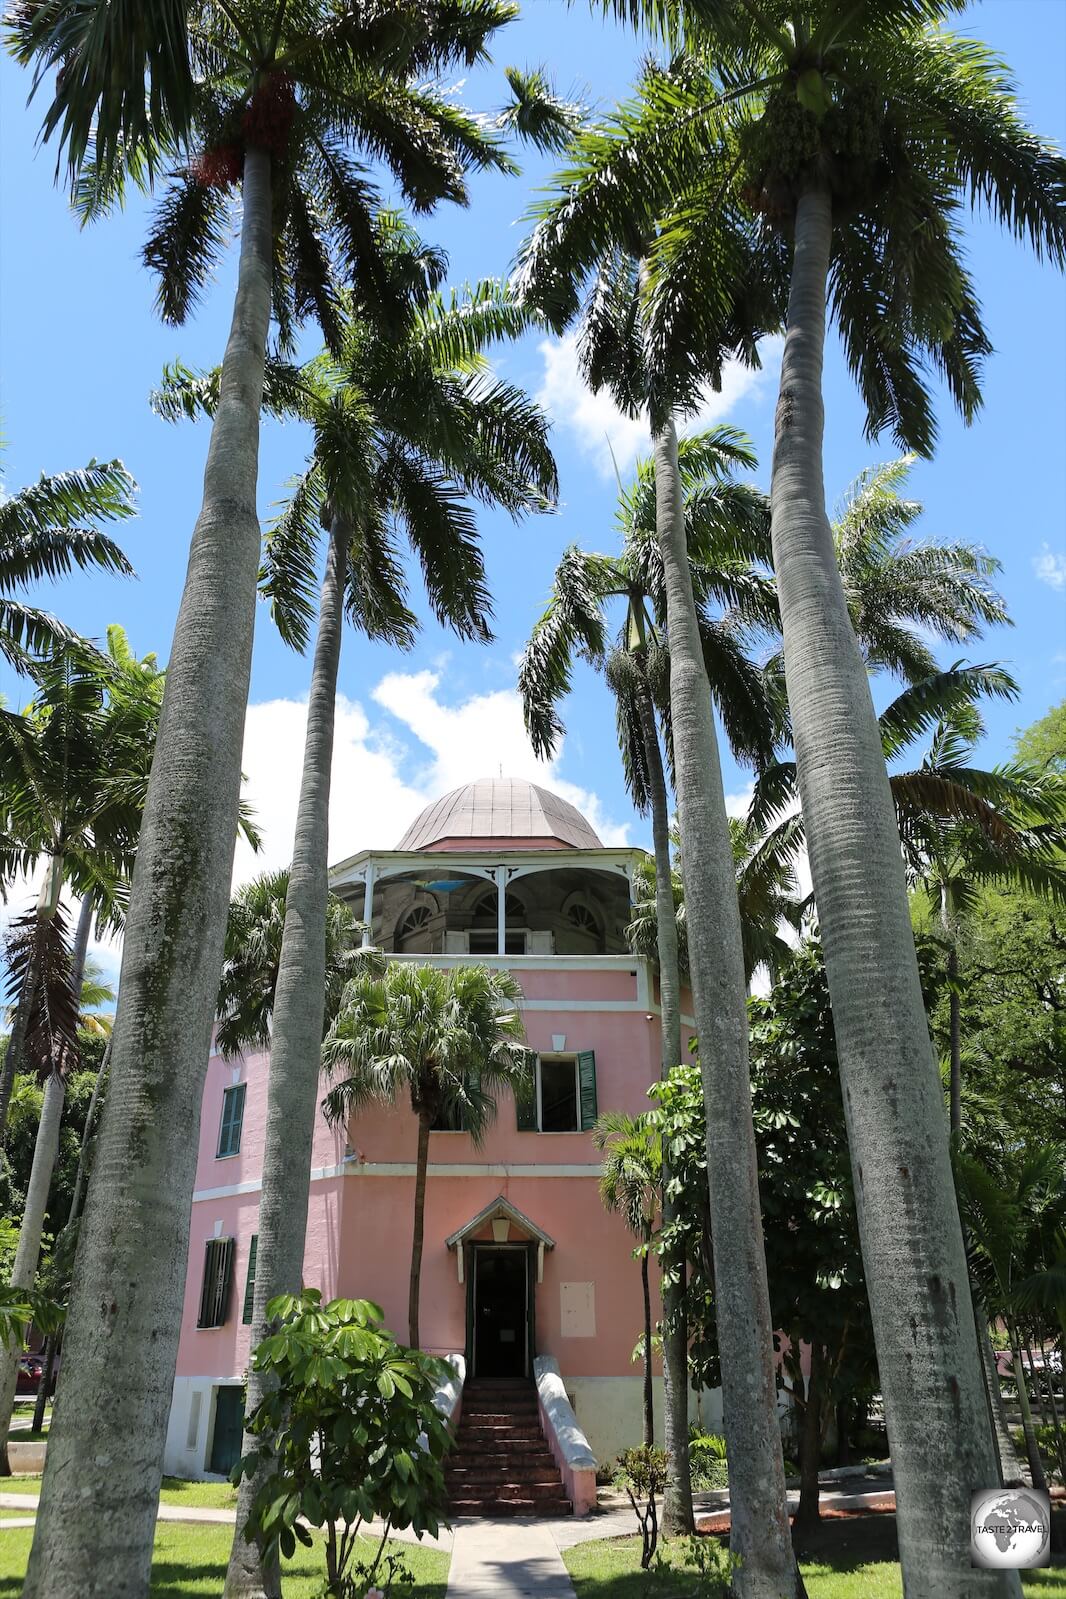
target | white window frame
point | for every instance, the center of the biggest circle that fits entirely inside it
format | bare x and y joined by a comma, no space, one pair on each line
558,1055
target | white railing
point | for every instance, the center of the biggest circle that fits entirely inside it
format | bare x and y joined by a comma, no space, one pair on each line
567,1442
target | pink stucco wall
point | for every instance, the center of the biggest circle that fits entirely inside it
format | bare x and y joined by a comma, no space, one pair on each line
359,1222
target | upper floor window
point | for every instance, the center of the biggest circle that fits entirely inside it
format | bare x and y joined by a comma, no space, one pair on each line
564,1098
484,936
229,1132
218,1274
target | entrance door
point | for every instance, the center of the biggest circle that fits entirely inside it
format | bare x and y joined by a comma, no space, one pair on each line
228,1430
500,1312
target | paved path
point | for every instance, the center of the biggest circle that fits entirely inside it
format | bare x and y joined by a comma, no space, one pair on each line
514,1558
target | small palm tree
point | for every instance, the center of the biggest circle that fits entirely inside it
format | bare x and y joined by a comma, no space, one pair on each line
631,1185
46,530
449,1040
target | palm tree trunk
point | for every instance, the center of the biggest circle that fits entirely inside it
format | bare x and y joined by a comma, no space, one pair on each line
96,1522
296,1038
947,923
1032,1448
81,1179
45,1150
908,1215
48,1356
422,1160
1010,1471
760,1531
649,1392
810,1444
677,1517
29,1245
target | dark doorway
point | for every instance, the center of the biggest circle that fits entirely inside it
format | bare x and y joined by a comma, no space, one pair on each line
228,1430
500,1312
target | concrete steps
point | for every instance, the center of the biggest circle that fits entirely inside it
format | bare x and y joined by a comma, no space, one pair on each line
501,1464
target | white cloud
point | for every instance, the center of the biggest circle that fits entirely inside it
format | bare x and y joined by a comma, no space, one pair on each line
371,801
602,431
1050,567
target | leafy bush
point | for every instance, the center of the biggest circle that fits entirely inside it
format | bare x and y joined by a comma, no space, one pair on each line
347,1431
708,1460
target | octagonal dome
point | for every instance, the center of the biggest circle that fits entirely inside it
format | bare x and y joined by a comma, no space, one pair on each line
493,811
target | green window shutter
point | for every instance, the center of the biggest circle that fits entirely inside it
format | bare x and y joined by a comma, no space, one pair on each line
586,1075
525,1105
249,1281
229,1132
218,1275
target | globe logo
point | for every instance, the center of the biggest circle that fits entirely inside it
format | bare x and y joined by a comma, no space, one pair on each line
1010,1529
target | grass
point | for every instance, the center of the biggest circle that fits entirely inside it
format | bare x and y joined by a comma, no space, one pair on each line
190,1562
175,1491
846,1559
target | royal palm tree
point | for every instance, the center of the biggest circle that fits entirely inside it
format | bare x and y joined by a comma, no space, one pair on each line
1014,837
46,530
75,772
450,1040
657,349
726,533
381,468
631,1185
1010,1215
844,138
289,103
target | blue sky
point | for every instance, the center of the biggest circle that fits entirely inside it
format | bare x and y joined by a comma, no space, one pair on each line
81,348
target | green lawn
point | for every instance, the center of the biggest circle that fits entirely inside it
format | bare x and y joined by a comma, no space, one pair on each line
175,1491
846,1560
190,1562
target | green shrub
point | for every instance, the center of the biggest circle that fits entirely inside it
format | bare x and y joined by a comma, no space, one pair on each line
707,1458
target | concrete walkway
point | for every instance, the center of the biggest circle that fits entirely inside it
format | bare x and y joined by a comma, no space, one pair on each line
515,1558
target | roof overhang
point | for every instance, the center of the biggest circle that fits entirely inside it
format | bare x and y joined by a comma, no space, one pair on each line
501,1209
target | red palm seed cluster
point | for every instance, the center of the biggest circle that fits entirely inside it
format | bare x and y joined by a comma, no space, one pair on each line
268,119
219,168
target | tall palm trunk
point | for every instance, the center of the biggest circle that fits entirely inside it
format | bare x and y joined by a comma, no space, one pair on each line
421,1161
45,1150
96,1522
295,1040
810,1444
649,1391
1010,1473
677,1517
760,1532
1032,1448
950,931
908,1216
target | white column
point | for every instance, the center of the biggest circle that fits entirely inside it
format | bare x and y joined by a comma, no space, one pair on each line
501,910
368,904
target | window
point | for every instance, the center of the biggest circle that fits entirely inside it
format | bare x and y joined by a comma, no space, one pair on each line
565,1095
581,917
218,1273
229,1132
557,1088
249,1281
484,936
413,934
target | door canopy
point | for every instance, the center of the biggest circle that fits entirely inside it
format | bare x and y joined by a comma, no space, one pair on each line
503,1219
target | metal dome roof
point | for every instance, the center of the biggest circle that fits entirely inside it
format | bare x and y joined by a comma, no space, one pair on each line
501,808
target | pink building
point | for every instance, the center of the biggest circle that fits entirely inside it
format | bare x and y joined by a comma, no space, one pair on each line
520,1260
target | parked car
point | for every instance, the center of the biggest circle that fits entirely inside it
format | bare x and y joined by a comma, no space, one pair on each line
31,1369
